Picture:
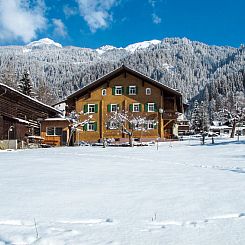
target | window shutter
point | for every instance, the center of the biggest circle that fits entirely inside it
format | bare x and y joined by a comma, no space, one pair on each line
109,108
146,107
95,126
129,125
155,107
145,126
140,107
96,108
136,88
122,90
85,108
85,127
155,125
127,90
131,107
113,90
118,107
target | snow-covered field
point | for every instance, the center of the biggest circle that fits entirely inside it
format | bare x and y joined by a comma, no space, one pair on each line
187,194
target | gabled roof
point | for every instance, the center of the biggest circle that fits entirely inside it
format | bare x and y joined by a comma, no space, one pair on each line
116,73
15,93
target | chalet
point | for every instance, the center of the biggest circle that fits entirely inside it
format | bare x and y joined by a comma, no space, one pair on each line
21,115
124,90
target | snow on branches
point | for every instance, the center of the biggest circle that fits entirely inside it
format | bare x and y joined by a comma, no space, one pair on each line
127,123
76,122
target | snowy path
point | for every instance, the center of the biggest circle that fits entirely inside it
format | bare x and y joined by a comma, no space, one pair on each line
186,194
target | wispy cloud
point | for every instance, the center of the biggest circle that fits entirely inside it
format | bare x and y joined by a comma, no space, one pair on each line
19,19
69,11
152,3
59,27
156,19
96,12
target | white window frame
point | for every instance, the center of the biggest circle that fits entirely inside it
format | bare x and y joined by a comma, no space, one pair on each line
150,123
118,88
136,104
134,92
54,131
90,106
151,105
113,125
113,106
92,126
148,91
103,92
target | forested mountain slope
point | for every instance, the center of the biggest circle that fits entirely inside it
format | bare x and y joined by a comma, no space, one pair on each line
209,73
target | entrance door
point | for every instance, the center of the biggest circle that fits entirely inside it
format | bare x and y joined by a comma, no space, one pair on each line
64,138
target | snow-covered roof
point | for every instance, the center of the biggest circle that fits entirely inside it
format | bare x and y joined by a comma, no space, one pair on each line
30,98
220,127
56,119
21,120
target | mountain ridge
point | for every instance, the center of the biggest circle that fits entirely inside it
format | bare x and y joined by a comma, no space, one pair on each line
189,66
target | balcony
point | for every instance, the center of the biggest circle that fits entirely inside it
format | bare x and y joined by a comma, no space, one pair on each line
169,115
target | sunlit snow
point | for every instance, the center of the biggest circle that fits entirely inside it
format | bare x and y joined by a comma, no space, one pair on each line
184,193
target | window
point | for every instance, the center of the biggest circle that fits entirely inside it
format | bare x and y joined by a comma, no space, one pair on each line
53,131
50,131
118,90
132,90
148,91
151,107
91,126
136,107
114,107
90,108
103,92
112,125
58,131
150,125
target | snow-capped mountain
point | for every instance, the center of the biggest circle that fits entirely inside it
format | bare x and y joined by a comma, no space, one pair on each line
44,43
104,49
130,48
141,45
194,68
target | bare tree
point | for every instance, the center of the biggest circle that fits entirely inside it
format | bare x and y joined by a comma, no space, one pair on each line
128,123
76,122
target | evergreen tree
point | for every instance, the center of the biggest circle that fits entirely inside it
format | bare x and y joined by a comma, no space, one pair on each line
204,119
25,85
45,94
195,118
199,117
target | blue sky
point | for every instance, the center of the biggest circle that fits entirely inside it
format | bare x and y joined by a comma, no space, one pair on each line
93,23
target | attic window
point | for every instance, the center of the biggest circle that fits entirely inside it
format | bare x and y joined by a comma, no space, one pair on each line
148,91
103,92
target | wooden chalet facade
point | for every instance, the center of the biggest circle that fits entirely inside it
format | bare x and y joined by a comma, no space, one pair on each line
125,89
20,115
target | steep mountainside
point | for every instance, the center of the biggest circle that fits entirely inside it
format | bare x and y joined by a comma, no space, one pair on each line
196,69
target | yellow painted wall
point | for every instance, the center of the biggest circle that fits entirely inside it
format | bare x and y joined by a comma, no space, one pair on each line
124,100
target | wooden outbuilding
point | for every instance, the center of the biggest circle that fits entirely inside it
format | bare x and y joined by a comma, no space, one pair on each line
21,115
